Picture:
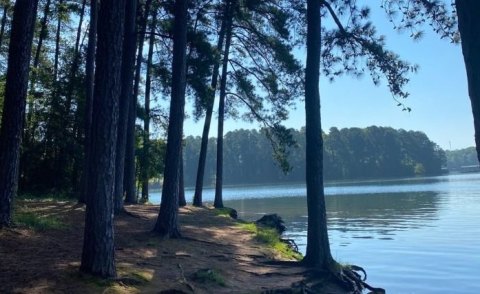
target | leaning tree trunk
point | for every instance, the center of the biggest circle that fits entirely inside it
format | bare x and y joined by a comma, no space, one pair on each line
468,12
129,177
218,202
318,247
167,223
202,159
145,160
13,117
98,255
89,83
128,64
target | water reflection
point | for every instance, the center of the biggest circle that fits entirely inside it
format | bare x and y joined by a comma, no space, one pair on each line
364,216
382,214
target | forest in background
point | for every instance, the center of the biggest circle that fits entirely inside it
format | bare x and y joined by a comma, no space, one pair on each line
460,158
349,153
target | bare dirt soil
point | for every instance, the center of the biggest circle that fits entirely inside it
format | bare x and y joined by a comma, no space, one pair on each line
214,256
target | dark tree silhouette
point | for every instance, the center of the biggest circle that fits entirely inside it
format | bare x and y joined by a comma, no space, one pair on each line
318,247
129,176
98,255
218,202
128,64
13,117
145,157
89,85
167,223
468,12
202,159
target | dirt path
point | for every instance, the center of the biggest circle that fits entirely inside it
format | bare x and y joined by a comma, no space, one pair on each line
215,256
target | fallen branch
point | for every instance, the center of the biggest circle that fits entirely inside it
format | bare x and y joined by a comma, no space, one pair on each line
183,280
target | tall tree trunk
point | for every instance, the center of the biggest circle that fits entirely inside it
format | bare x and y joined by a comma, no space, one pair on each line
129,177
69,97
202,159
89,85
13,117
218,203
181,184
75,62
318,247
60,159
468,12
57,39
145,163
43,35
167,223
98,255
128,64
3,23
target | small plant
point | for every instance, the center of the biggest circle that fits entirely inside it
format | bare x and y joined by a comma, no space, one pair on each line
38,222
209,276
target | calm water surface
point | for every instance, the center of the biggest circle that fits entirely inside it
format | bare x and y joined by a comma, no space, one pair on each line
419,235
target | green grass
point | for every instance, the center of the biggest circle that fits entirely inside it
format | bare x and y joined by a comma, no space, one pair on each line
225,211
209,276
45,197
271,238
37,222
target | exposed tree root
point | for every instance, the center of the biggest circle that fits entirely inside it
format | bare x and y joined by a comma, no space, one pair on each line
291,243
350,278
128,213
183,279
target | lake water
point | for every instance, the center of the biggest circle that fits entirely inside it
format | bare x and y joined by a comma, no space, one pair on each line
417,235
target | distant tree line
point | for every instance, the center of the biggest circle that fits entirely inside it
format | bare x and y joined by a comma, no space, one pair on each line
350,153
461,157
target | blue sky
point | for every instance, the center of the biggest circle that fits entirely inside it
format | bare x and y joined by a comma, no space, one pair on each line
438,95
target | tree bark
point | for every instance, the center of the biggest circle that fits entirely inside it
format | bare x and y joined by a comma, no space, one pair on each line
128,64
202,159
98,255
89,85
468,13
218,202
13,117
318,247
145,164
167,223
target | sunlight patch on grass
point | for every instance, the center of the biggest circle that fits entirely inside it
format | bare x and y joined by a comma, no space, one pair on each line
45,197
225,211
38,222
271,238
